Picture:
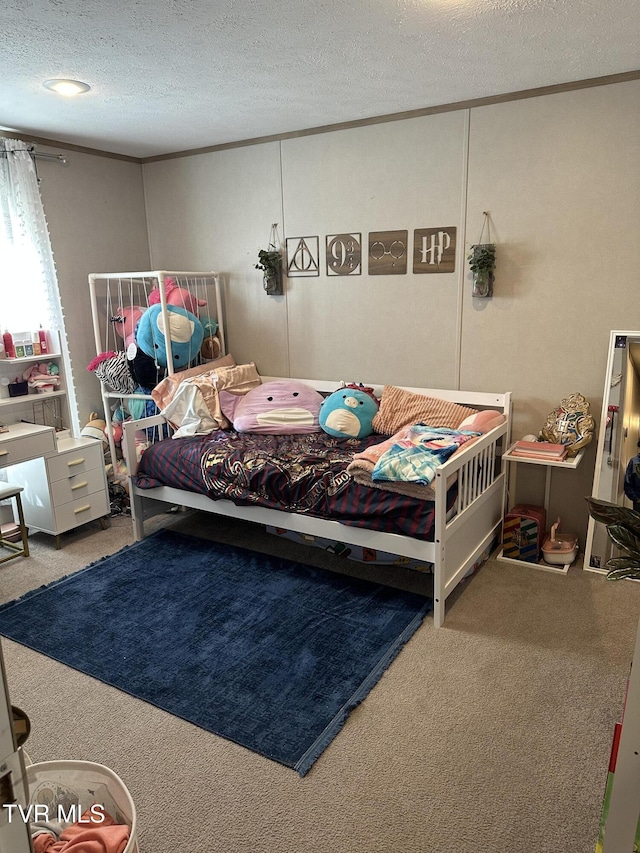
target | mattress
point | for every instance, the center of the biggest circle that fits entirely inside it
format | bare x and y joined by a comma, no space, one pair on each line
293,473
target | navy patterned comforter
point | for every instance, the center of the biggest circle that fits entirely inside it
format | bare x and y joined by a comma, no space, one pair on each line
295,473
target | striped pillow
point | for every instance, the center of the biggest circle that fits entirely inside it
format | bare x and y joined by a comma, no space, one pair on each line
399,408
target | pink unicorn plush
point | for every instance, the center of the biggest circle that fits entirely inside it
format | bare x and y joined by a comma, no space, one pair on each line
178,296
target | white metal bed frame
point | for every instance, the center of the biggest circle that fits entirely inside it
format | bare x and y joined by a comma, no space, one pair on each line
458,544
204,279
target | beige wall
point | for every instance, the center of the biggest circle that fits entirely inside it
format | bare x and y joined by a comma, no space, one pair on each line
95,212
560,176
210,213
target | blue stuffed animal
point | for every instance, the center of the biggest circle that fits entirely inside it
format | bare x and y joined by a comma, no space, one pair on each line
349,412
186,333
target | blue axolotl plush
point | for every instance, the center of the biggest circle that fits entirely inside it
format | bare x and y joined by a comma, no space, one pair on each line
349,412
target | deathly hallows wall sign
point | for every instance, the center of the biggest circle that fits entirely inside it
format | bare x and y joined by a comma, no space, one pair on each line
303,257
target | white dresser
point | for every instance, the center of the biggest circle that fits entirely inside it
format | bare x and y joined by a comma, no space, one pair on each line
23,441
63,488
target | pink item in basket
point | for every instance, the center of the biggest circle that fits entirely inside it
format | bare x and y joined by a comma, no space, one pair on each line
95,832
559,548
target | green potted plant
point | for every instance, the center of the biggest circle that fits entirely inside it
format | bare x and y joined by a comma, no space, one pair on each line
623,528
482,262
270,262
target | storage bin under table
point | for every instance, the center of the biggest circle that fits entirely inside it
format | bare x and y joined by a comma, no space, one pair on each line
66,490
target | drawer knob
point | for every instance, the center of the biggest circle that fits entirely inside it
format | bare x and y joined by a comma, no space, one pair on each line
76,462
4,452
79,485
82,509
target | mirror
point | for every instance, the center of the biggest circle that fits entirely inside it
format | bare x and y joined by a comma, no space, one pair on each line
619,432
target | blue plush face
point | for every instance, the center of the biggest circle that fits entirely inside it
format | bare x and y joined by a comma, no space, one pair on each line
348,413
185,330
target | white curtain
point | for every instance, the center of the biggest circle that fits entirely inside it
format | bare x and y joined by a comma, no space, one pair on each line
29,293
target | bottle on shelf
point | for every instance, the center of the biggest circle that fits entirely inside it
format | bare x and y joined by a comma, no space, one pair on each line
35,340
19,349
8,344
44,346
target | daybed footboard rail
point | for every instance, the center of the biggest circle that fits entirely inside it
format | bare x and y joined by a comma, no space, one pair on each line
459,543
463,540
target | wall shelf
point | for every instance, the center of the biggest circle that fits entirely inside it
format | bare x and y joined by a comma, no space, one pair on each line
31,359
32,406
31,398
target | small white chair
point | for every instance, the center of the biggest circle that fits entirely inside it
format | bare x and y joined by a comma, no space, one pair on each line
8,490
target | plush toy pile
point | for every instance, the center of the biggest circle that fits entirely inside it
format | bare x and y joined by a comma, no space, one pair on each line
143,362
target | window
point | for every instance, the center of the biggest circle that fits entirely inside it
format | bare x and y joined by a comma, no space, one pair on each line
24,305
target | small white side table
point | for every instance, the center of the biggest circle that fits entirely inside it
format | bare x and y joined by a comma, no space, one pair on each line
571,464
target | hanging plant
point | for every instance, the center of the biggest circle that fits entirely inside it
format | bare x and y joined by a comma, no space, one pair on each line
482,257
270,262
482,263
623,527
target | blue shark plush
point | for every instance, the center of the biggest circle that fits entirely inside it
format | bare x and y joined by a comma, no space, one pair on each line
186,333
349,412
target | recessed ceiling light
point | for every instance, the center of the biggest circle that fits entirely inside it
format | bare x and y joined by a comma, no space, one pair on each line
66,87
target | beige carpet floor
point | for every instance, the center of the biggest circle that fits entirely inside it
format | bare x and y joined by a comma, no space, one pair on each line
490,735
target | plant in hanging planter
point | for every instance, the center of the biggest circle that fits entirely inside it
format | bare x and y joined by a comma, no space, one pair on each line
623,527
482,263
270,262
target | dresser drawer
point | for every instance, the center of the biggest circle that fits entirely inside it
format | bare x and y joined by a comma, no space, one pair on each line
80,511
75,462
16,450
78,486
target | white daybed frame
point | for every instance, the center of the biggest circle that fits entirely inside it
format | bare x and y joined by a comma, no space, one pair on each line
458,544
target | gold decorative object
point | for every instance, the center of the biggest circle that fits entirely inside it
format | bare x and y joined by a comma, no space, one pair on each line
570,424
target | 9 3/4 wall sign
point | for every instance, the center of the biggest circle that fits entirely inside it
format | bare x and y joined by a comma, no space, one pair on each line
344,254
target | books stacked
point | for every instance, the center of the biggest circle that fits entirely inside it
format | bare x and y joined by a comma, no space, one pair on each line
539,450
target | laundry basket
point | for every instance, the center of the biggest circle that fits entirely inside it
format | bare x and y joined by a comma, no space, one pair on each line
80,784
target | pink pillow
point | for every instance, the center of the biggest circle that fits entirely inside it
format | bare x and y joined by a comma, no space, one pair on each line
279,407
483,421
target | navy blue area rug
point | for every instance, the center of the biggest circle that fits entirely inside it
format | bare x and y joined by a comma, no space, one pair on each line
260,650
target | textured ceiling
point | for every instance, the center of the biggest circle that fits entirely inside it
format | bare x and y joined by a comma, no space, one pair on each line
174,75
